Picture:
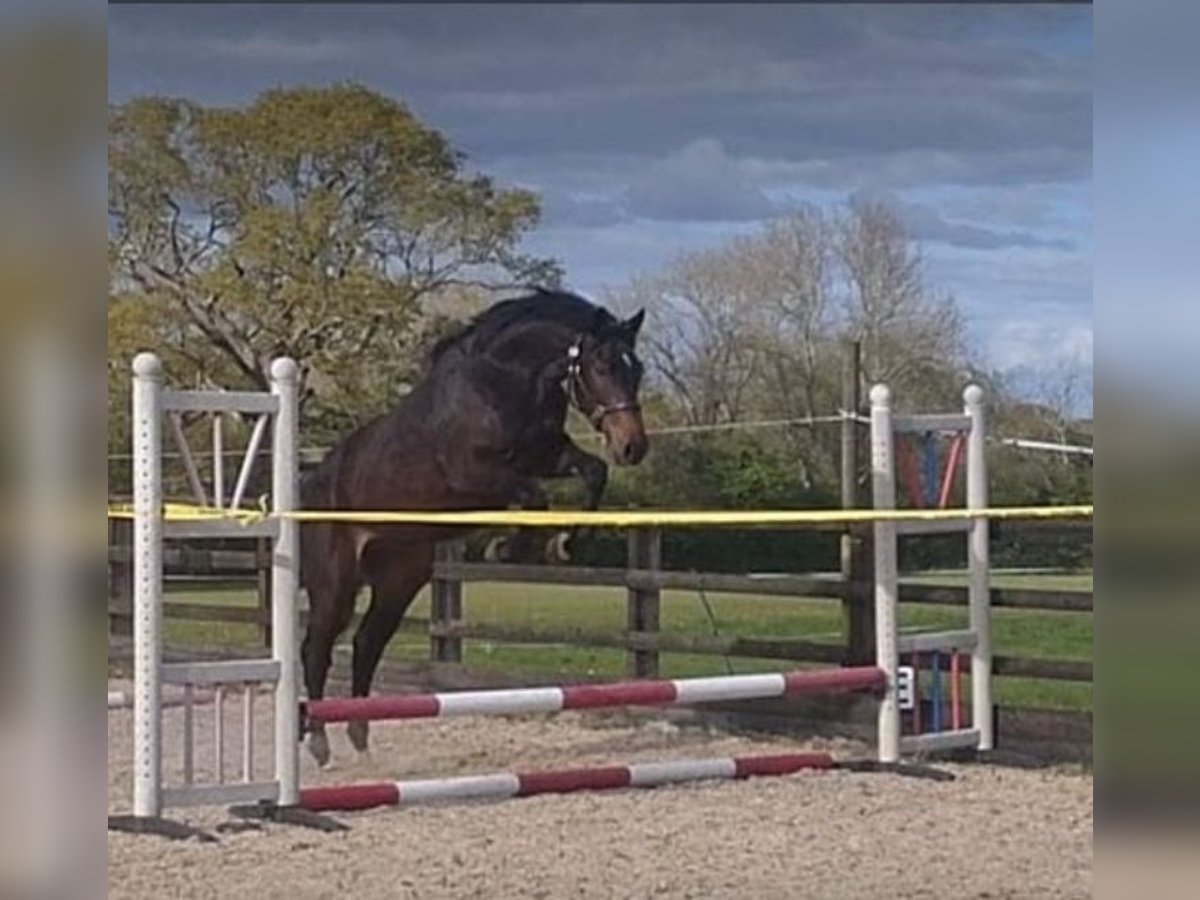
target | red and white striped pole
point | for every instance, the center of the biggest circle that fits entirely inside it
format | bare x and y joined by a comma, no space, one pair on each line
503,785
672,692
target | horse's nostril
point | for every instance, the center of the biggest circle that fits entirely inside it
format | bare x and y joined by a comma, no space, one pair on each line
625,450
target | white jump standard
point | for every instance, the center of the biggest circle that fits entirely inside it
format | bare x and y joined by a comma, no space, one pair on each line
884,426
281,791
278,408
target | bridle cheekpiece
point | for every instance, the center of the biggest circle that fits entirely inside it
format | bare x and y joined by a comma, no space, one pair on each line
576,389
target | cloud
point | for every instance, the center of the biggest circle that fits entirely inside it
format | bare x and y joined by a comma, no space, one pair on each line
1037,344
700,182
1059,206
955,94
600,258
895,170
925,224
1036,359
562,208
647,132
261,48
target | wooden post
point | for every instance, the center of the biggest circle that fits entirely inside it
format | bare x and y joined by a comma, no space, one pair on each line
858,611
446,607
120,577
262,563
645,552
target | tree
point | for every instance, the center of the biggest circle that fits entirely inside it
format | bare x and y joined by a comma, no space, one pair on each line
1062,390
328,224
701,340
791,263
753,329
911,340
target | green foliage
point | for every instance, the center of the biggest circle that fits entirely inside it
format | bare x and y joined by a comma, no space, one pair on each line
329,224
721,470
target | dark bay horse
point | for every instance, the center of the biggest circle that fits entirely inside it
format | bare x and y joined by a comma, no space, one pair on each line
478,431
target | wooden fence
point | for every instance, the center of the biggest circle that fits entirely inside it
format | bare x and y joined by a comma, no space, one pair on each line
643,580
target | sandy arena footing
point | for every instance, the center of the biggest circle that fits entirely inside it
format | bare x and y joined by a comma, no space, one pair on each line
992,833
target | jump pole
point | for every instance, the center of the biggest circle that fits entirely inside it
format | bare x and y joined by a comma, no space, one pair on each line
666,692
515,784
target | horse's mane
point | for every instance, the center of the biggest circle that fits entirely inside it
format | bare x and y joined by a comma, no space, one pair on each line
542,305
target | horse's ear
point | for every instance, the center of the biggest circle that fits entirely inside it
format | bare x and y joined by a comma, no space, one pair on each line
633,324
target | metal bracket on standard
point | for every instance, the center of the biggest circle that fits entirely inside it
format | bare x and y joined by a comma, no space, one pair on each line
168,828
908,770
288,815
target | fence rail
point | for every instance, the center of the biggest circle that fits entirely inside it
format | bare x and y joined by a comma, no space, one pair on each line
234,564
641,639
789,650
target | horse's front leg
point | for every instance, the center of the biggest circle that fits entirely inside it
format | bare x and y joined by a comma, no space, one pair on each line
593,471
531,545
526,544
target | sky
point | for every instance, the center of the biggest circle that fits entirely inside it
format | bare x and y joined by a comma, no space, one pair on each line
651,131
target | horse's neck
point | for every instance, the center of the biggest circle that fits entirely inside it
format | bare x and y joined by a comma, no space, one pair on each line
532,367
532,350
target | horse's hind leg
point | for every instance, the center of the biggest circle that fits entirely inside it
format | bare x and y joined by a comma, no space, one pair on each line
331,606
395,573
317,655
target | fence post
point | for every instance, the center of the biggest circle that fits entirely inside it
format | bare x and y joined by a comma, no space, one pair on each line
262,563
860,586
645,552
979,589
858,612
883,491
120,577
446,606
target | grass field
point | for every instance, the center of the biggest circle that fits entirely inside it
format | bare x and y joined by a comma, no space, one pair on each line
1015,632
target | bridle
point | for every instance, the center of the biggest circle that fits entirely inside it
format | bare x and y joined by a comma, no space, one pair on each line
575,389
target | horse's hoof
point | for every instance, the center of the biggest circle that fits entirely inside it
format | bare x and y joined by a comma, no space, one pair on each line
521,548
358,735
558,548
493,551
318,747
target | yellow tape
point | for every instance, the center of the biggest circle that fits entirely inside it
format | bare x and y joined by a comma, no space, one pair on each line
618,519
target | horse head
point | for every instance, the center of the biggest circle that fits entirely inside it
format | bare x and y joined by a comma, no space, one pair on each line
603,377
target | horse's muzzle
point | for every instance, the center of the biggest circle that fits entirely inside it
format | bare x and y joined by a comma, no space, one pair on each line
627,441
631,452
